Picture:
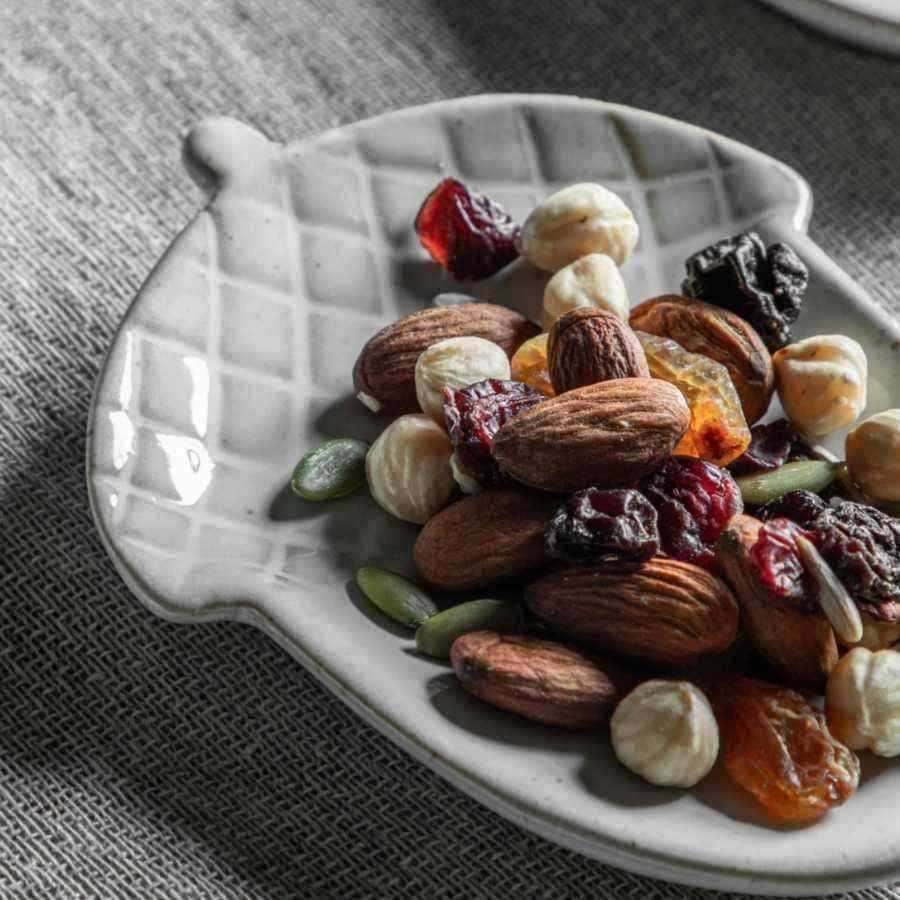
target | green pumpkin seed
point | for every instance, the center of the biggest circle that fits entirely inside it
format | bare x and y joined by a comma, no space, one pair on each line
335,469
436,635
396,597
804,475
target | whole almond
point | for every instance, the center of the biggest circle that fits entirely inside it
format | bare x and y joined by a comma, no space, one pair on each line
588,345
540,680
665,612
384,373
719,334
799,643
607,435
485,538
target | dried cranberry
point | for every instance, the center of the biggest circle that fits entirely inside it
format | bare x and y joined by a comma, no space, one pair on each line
474,415
466,233
770,447
694,501
765,287
801,507
778,563
603,526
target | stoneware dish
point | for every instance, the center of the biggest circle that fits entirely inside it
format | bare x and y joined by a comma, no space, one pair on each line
235,358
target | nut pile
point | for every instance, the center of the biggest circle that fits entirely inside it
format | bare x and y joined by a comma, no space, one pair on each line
689,576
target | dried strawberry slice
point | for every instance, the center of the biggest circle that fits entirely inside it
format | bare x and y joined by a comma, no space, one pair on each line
468,234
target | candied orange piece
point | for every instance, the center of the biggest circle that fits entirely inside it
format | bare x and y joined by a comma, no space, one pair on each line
777,747
529,365
719,432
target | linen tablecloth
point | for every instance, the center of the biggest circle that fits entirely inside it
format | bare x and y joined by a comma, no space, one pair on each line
143,759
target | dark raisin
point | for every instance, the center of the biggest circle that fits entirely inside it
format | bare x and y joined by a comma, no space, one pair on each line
474,415
765,287
778,563
603,526
466,233
770,447
694,501
801,507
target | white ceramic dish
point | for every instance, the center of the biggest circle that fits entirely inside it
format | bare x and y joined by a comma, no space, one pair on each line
874,24
235,357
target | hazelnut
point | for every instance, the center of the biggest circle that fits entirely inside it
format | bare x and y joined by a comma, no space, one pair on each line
594,280
821,382
873,455
578,220
408,468
862,701
456,363
665,731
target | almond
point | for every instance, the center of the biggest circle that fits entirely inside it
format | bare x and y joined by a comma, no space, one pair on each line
799,644
488,537
588,345
665,612
384,373
607,435
539,680
719,334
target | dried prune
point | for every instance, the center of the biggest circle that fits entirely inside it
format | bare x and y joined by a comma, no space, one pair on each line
801,507
778,563
603,526
694,501
474,415
778,748
467,233
771,446
765,287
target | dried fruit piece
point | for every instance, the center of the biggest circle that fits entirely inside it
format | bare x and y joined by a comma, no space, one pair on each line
467,233
395,596
771,446
666,732
718,431
473,416
529,365
873,455
613,433
719,334
765,287
778,748
805,475
435,636
603,526
593,281
694,501
666,612
589,345
802,507
540,680
334,469
778,564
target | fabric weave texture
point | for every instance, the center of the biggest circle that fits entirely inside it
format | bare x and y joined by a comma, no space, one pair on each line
142,759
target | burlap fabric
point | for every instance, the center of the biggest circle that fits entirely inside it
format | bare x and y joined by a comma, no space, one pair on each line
140,759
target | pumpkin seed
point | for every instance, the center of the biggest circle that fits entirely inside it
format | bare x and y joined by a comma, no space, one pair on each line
436,635
804,475
335,469
395,596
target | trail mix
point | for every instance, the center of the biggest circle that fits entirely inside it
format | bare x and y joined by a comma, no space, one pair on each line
612,464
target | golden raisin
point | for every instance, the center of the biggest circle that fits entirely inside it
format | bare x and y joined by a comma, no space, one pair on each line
777,747
719,431
529,365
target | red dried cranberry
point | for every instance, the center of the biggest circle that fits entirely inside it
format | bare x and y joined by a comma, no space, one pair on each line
801,507
474,415
466,233
694,501
603,526
778,563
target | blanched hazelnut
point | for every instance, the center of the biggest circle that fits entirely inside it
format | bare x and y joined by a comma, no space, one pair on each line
593,280
873,455
822,382
408,468
862,701
456,362
578,220
665,731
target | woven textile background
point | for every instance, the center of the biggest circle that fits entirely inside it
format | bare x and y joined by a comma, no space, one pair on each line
141,759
